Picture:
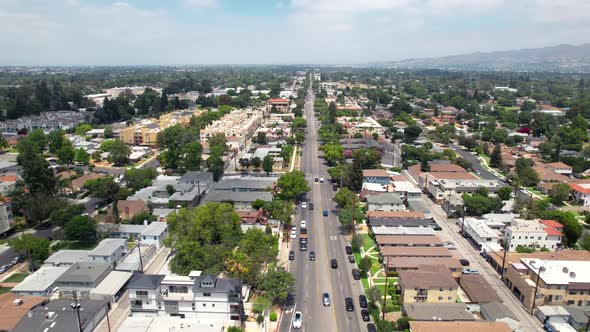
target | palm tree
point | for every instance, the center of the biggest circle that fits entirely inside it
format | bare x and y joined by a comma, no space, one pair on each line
236,263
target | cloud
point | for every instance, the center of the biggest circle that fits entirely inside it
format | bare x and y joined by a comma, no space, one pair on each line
202,4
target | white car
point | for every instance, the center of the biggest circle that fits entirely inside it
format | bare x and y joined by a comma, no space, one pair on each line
321,180
293,234
294,227
303,205
297,320
303,224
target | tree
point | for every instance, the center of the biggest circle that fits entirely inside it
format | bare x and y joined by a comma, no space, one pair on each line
525,172
55,140
344,197
244,162
60,217
119,153
216,166
292,185
468,165
66,153
267,164
354,176
572,229
81,156
424,165
103,187
368,158
36,173
479,204
403,323
236,264
356,242
81,129
365,264
257,204
333,152
277,285
191,156
261,138
234,329
585,243
504,193
80,228
374,295
138,178
559,193
255,162
3,143
36,247
496,157
411,133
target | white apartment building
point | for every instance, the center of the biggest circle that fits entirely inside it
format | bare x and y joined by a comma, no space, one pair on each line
385,202
237,126
486,238
531,233
441,188
195,296
6,217
154,233
109,251
366,125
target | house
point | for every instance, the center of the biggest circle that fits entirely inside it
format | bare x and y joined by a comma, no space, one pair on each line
195,296
154,233
415,263
479,326
385,202
68,258
242,190
58,315
431,285
395,252
499,312
532,234
408,241
77,184
40,282
418,205
240,200
376,176
109,251
560,168
81,278
129,209
578,316
7,184
14,308
121,231
6,217
407,190
439,312
581,193
547,174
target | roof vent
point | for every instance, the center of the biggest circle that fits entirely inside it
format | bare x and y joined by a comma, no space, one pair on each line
565,269
573,275
17,302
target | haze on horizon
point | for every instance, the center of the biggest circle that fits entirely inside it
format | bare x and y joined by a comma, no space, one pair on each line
150,32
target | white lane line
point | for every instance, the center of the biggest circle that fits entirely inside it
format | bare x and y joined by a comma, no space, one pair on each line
292,317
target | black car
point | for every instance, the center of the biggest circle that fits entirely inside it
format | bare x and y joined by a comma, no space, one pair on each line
365,315
302,246
312,255
356,274
351,259
296,210
316,180
348,250
349,304
371,328
334,263
291,255
363,301
464,262
311,206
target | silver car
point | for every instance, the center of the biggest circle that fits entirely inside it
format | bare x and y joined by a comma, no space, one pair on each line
326,299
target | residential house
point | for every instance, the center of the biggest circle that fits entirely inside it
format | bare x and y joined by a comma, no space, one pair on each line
120,231
81,278
7,184
154,233
431,285
581,193
129,209
68,258
478,289
560,168
438,312
144,291
77,184
40,282
58,315
109,251
499,312
385,202
376,176
242,190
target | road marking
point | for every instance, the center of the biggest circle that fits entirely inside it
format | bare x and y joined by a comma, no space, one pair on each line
333,238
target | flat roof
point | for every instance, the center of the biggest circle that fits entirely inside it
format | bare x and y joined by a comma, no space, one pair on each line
68,257
158,324
416,251
112,283
402,230
145,281
241,196
108,246
64,317
438,311
41,280
560,272
417,262
395,214
478,289
479,326
408,239
11,313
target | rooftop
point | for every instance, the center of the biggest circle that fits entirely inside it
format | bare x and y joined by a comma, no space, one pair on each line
408,239
427,278
418,262
68,257
497,310
40,280
155,229
416,251
62,316
158,324
375,173
384,198
478,289
560,272
110,285
395,214
479,326
403,230
108,246
438,311
84,272
145,281
13,313
226,195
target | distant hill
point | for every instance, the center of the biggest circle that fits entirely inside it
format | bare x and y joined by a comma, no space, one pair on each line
563,58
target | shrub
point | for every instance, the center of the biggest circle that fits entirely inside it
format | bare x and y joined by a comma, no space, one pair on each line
260,319
273,316
260,304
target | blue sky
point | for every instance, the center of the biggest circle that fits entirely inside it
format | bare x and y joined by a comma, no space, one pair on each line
138,32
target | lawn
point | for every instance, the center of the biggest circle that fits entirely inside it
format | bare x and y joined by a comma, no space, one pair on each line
367,241
17,277
74,245
4,290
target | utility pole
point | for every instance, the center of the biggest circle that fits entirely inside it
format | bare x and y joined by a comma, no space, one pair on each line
541,269
463,222
108,320
76,306
353,215
140,259
385,292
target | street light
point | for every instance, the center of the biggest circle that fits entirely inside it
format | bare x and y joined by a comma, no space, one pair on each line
541,269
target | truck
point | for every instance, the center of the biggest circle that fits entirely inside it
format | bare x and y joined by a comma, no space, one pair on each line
303,237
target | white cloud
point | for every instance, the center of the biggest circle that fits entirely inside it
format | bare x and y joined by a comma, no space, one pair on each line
202,3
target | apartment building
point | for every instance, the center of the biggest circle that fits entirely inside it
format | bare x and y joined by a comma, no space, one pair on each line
81,278
237,126
581,193
560,282
6,217
385,202
431,284
441,188
532,234
282,105
485,237
361,125
195,296
47,121
109,251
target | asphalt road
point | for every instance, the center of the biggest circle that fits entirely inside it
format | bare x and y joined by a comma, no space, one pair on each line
477,167
313,278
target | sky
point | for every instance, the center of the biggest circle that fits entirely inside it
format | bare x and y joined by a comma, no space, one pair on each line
177,32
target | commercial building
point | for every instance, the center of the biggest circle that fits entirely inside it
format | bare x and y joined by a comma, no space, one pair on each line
81,278
196,296
40,282
59,316
432,285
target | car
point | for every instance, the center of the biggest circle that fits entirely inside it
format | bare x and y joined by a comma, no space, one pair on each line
321,180
316,179
349,304
294,227
296,211
303,246
469,271
334,263
326,299
325,213
303,205
363,301
311,206
293,234
17,259
351,259
5,268
334,188
371,328
365,315
291,255
312,255
297,320
348,250
464,262
303,224
356,274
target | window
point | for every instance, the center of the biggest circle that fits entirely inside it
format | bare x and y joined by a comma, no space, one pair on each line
440,298
213,305
141,293
206,294
572,292
178,289
137,302
204,304
558,297
147,302
450,298
440,289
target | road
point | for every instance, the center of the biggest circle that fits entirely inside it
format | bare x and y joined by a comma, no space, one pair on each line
313,278
477,167
450,232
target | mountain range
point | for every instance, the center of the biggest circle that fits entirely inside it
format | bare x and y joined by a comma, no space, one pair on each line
560,58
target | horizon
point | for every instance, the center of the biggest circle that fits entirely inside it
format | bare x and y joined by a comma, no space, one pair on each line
87,33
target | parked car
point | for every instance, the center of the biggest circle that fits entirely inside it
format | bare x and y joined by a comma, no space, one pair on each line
349,304
365,315
351,259
316,179
297,320
325,213
312,255
371,328
326,299
348,250
17,259
356,274
303,224
296,210
311,206
5,268
303,205
363,301
469,271
464,262
321,180
294,227
293,234
291,255
334,263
